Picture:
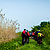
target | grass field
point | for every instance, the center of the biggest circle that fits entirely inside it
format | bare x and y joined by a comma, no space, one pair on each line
16,44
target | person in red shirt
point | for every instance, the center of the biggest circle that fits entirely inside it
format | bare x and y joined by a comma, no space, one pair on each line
33,35
27,36
23,36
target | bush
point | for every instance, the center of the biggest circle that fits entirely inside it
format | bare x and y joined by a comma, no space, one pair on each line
7,29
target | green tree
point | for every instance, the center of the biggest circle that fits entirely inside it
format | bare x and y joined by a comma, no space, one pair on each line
35,28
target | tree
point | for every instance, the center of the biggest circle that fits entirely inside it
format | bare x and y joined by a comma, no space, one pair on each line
35,28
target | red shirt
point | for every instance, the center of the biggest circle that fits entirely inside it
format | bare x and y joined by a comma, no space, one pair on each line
33,33
24,32
28,34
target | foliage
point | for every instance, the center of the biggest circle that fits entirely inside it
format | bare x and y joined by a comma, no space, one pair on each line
7,28
16,44
35,28
45,29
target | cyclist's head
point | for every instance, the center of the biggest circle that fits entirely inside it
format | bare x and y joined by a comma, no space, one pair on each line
27,30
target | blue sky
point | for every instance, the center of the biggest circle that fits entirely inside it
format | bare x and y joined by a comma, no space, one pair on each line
28,12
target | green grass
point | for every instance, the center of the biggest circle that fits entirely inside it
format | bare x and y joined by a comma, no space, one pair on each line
16,44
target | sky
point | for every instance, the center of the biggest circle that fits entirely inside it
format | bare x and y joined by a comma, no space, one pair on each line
27,12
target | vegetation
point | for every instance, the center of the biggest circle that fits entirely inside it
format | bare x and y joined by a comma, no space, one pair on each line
16,44
45,29
7,29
